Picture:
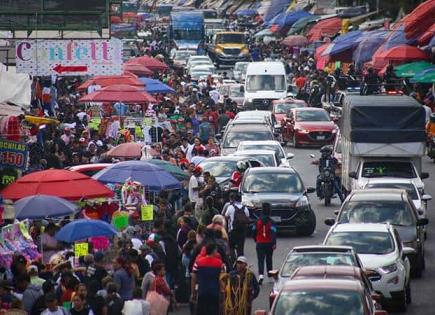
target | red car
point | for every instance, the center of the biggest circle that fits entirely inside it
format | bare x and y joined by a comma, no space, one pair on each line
283,106
309,126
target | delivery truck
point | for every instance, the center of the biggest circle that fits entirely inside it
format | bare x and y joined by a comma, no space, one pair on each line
382,136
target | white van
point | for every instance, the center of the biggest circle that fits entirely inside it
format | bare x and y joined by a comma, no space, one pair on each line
264,82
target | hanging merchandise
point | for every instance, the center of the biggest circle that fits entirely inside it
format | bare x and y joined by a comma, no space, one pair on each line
120,220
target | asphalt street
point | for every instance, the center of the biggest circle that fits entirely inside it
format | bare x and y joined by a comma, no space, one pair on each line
422,289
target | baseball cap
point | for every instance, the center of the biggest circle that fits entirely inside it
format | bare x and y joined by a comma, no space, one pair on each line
242,259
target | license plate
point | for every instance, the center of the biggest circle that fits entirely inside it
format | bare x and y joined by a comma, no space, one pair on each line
320,137
276,219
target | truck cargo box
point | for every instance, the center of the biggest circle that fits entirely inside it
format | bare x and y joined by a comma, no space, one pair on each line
383,119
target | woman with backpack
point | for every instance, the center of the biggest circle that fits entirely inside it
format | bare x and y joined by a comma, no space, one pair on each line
265,238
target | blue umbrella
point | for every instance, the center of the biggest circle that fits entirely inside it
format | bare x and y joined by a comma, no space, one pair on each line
151,176
367,46
287,19
397,38
82,229
275,8
153,86
343,42
43,206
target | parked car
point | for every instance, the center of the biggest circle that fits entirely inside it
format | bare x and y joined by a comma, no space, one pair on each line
392,206
281,107
268,145
380,249
314,255
181,56
309,126
283,188
267,157
239,71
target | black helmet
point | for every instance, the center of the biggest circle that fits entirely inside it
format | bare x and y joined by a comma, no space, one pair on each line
326,150
432,117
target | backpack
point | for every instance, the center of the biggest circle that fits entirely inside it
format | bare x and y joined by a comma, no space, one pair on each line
240,221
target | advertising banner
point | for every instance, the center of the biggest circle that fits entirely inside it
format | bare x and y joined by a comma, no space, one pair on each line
13,154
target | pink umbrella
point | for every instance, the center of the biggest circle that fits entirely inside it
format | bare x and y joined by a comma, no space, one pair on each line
138,69
404,53
295,40
119,93
107,80
126,150
149,62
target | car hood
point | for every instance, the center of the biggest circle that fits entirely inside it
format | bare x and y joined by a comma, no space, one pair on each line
315,125
275,199
228,151
370,261
187,44
265,94
231,45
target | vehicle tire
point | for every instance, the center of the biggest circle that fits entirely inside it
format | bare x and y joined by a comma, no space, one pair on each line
306,223
408,294
327,195
417,269
401,301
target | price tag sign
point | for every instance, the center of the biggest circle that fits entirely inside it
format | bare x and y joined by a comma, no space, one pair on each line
147,212
81,249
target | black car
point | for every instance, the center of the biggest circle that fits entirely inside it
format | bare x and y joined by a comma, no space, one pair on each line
287,195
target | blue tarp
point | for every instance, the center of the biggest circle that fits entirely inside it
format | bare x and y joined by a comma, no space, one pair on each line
153,86
369,43
276,7
287,19
343,42
246,12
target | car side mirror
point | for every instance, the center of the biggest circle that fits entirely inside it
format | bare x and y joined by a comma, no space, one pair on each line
311,190
273,274
409,251
218,136
426,197
353,175
424,175
290,156
422,221
330,221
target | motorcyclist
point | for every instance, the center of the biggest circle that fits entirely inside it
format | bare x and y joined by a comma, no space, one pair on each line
327,160
237,176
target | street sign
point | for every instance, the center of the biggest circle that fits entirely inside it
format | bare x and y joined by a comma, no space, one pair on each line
69,57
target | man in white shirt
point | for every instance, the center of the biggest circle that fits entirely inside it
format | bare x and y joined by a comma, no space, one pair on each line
214,95
194,187
136,306
52,308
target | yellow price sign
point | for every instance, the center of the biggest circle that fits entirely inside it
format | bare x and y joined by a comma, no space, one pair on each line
24,231
147,212
81,249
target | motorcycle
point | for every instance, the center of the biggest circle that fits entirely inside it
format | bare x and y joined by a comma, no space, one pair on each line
326,187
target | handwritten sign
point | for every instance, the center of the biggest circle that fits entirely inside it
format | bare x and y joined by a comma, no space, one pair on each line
13,154
81,249
147,212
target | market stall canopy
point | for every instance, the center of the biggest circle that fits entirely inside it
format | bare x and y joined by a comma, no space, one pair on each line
151,176
420,19
126,150
404,53
368,45
295,41
61,183
104,81
43,206
276,7
119,93
263,33
427,76
154,86
325,28
300,24
83,229
10,110
246,12
172,169
343,42
138,69
149,62
287,19
424,39
409,70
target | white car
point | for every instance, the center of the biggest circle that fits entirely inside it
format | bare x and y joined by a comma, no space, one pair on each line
385,260
198,60
420,201
181,57
239,71
268,145
267,157
199,72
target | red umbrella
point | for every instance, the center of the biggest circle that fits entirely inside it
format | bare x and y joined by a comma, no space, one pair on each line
149,62
295,40
108,80
420,19
427,36
126,150
119,93
138,69
61,183
403,53
328,28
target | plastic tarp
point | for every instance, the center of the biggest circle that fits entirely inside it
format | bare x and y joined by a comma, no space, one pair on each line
367,46
343,42
276,7
15,87
300,24
383,119
153,86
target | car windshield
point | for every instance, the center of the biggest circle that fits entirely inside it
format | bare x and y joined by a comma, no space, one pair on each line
183,55
235,92
312,115
201,62
283,108
266,82
311,302
232,38
219,168
233,138
241,67
315,259
388,169
410,188
377,243
188,34
273,183
394,212
269,147
266,159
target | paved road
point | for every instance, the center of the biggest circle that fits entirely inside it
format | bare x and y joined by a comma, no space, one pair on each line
422,289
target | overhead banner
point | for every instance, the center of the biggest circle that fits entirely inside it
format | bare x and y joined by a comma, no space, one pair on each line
69,57
13,154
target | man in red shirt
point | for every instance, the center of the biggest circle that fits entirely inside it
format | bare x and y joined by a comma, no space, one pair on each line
237,176
301,80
